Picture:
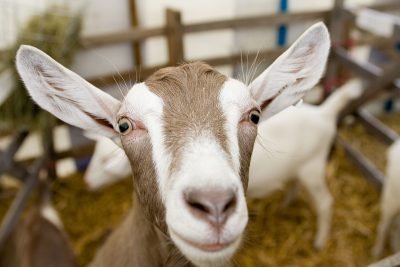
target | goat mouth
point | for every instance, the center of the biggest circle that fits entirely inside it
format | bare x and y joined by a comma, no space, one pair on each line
206,247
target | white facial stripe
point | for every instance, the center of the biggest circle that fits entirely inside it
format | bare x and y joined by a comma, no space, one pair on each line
142,104
204,167
234,99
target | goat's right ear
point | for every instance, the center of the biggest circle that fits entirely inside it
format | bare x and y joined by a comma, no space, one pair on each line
65,94
294,73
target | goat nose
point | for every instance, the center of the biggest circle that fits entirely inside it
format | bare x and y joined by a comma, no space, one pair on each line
214,207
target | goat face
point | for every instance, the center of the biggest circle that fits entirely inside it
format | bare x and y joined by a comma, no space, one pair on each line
188,132
188,121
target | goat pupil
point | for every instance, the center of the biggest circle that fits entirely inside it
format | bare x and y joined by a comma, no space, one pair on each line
254,118
123,127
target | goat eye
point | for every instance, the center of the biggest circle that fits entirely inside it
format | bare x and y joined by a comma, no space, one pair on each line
254,116
124,125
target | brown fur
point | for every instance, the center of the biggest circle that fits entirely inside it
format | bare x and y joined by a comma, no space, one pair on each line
190,93
246,138
37,243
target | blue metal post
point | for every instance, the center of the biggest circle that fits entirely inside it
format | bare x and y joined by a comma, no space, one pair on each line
282,29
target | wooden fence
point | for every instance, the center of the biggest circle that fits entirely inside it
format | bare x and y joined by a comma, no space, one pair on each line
174,31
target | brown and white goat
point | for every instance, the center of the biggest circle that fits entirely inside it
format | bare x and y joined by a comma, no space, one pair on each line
188,132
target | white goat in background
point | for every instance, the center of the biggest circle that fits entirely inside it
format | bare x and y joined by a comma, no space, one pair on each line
298,149
390,200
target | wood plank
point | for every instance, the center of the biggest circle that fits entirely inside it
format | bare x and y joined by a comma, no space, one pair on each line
134,21
175,37
137,34
266,55
135,75
376,127
256,21
366,167
384,5
336,35
215,61
76,152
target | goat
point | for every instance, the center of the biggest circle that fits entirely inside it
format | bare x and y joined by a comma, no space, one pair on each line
297,155
389,204
292,154
299,140
38,241
188,132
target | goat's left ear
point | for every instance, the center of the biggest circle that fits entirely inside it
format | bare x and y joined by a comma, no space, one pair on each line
295,72
65,94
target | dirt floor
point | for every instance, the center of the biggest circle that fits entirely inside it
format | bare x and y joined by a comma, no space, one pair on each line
278,234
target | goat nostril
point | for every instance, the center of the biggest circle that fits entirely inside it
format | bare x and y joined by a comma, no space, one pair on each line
198,206
215,207
230,205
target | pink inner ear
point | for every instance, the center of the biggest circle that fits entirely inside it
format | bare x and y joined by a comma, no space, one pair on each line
266,103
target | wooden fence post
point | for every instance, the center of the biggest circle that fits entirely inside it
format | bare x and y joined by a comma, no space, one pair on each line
49,150
174,37
134,24
336,32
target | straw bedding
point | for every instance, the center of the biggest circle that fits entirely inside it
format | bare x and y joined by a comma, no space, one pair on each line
279,234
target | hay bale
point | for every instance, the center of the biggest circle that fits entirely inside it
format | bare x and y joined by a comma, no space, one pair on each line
55,32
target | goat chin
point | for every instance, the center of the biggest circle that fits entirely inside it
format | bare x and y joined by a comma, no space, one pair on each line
203,258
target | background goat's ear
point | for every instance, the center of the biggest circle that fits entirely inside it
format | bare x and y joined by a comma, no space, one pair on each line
297,70
65,94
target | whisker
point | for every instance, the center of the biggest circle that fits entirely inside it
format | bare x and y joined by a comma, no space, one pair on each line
241,64
270,148
255,65
119,87
247,68
116,69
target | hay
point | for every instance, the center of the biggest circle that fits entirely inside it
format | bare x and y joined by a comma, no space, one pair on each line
278,235
55,32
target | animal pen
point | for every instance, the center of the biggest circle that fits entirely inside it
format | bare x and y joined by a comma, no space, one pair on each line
340,21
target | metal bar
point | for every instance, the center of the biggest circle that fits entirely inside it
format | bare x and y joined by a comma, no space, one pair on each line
376,127
7,156
13,214
18,171
374,88
366,70
366,167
